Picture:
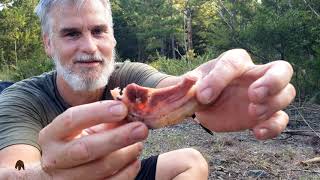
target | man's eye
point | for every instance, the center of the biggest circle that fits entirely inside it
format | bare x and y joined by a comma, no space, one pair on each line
97,32
73,34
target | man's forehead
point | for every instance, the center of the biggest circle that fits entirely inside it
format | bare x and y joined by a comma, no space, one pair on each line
81,23
91,14
75,4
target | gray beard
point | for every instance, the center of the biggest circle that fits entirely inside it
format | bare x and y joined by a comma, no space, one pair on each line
79,81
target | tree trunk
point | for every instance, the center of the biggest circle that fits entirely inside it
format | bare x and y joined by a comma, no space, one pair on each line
139,52
15,52
1,58
188,29
173,46
172,37
163,47
290,3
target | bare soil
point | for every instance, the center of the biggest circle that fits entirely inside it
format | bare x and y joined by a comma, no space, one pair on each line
240,156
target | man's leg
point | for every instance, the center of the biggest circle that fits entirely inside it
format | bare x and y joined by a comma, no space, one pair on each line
182,164
148,169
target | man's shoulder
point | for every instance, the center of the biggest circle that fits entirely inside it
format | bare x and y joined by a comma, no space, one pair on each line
131,66
127,68
37,80
5,84
33,84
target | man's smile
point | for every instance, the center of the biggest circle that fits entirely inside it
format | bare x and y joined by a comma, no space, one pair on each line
89,63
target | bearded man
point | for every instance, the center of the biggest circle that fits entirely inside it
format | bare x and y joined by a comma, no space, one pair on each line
64,124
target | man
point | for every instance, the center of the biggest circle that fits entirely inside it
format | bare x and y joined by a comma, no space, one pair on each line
79,128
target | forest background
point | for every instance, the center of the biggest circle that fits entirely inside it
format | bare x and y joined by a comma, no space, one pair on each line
177,35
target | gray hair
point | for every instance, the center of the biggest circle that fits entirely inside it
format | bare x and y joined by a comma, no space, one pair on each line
44,8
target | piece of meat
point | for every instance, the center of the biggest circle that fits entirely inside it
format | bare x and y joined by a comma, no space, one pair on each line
159,107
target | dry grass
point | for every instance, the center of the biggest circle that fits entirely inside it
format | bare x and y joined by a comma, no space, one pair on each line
240,156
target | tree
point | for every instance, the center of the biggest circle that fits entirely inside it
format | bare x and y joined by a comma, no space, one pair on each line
19,32
20,41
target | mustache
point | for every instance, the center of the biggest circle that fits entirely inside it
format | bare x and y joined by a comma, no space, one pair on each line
90,58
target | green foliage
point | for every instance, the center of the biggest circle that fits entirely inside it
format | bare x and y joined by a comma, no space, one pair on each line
154,32
178,66
6,74
20,41
144,27
19,32
32,67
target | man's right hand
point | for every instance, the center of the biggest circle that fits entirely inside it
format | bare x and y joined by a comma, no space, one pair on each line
70,153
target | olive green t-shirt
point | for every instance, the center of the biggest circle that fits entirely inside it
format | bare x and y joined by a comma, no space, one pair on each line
29,105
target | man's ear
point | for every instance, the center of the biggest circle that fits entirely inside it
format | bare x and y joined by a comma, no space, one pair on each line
47,45
114,41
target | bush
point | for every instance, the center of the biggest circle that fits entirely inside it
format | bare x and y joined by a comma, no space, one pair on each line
6,74
179,66
32,67
306,80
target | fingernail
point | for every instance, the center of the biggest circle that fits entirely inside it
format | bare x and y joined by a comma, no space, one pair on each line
117,110
137,164
263,133
206,95
138,133
140,151
140,146
261,93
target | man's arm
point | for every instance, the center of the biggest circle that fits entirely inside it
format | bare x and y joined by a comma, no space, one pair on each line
29,155
169,81
11,154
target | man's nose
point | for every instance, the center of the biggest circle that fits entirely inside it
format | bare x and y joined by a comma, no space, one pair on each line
89,45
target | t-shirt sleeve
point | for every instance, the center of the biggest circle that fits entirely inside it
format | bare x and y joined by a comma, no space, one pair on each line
139,73
19,120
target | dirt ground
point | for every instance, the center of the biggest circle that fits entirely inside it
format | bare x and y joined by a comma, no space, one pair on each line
241,156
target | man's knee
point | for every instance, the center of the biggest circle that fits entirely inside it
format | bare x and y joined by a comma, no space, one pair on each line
182,164
195,159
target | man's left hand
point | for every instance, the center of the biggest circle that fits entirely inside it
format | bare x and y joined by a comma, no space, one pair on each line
239,95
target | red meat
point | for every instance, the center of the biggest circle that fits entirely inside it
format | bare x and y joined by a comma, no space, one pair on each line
159,107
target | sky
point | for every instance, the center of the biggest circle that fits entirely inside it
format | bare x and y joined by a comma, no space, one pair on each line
2,6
